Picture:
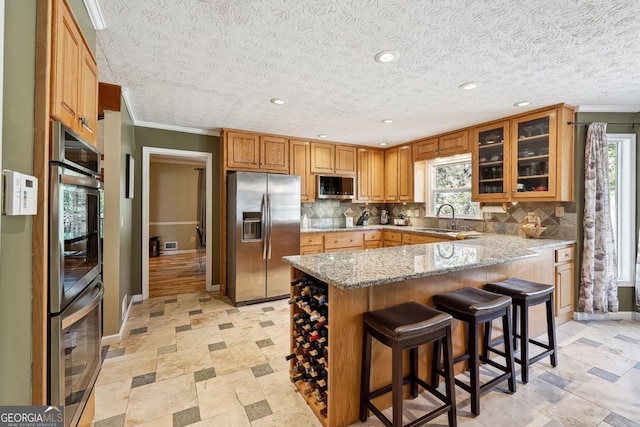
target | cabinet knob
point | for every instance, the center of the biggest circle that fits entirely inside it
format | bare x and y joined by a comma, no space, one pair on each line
566,255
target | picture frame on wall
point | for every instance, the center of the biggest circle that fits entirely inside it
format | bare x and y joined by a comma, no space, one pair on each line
129,174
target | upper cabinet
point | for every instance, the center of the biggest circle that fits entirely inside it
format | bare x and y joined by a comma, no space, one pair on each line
445,145
300,164
249,151
74,75
399,174
370,177
329,159
529,157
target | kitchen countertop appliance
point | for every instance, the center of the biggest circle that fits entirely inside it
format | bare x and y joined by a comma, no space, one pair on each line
263,225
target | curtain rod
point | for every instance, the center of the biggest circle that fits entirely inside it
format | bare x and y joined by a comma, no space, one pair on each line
613,123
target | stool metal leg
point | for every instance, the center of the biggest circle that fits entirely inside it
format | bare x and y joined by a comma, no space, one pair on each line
524,341
366,374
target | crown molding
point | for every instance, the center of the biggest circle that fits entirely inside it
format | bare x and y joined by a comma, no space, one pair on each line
95,14
126,95
608,109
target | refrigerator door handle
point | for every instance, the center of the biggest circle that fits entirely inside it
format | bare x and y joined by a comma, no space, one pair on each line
270,224
265,224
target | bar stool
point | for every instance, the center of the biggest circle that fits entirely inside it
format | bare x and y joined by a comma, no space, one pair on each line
526,294
402,327
475,307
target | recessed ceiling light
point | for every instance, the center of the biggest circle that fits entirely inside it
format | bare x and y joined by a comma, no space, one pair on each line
386,56
322,135
467,86
277,101
387,121
521,104
382,144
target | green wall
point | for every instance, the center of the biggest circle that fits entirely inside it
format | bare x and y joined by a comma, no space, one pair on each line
82,16
148,137
17,155
625,295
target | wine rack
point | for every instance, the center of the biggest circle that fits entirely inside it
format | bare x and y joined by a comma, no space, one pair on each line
309,369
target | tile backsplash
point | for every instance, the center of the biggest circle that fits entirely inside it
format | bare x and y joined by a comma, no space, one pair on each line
331,213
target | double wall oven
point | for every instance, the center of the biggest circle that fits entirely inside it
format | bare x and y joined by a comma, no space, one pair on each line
75,286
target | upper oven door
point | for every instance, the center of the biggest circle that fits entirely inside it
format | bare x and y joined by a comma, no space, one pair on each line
71,150
74,252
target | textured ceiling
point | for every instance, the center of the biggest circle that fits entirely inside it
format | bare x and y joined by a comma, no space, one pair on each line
207,65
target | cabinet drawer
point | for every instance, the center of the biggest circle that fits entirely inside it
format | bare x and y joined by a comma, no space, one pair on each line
343,240
373,244
564,254
415,239
310,239
392,236
311,249
372,235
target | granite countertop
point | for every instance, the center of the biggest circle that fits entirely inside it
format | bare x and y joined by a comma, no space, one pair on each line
363,268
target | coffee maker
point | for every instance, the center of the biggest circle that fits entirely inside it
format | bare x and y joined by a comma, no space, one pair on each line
384,217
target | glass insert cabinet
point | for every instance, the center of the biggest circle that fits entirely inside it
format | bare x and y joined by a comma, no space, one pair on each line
529,157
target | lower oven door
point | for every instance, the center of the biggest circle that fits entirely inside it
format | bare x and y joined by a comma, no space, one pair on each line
74,352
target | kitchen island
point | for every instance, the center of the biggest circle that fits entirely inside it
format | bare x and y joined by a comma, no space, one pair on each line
366,280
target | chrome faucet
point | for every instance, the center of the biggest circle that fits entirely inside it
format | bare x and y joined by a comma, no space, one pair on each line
453,214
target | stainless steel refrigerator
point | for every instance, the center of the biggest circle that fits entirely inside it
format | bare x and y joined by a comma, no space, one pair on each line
263,225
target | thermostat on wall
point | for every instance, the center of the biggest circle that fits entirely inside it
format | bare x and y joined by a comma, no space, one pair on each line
20,193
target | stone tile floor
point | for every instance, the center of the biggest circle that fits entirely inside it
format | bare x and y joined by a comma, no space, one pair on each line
196,360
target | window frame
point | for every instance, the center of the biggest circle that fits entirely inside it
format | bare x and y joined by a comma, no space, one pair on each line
430,207
625,211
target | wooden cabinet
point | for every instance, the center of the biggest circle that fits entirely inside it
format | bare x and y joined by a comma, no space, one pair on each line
74,75
370,176
311,244
250,151
564,283
392,238
417,239
329,159
528,157
300,164
445,145
343,241
399,174
373,239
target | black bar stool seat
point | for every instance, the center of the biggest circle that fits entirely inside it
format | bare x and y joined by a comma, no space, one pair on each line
526,294
406,326
477,307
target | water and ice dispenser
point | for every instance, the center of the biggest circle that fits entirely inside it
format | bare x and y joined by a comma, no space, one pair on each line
251,226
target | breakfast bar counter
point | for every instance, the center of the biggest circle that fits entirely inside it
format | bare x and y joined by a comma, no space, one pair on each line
366,280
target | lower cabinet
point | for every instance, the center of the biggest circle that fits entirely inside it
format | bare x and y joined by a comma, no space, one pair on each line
373,239
392,238
417,239
343,241
564,282
311,244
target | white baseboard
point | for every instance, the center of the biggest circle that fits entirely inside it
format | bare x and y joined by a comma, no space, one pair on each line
621,315
116,338
215,288
178,252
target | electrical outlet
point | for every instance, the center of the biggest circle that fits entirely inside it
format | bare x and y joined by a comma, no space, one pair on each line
409,213
416,213
559,211
193,239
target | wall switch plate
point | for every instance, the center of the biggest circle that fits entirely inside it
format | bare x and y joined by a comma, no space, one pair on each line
409,213
193,239
559,211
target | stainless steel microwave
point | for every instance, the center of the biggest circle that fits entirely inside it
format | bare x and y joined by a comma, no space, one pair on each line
335,187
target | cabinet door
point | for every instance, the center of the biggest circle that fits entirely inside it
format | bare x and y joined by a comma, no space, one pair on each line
391,175
243,150
345,159
274,153
533,156
364,175
453,143
65,67
490,162
425,149
299,164
564,291
405,174
322,158
88,102
377,175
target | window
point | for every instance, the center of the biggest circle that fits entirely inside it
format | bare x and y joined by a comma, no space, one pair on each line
448,180
622,194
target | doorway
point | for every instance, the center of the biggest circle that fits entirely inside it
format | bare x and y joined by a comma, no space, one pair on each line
189,259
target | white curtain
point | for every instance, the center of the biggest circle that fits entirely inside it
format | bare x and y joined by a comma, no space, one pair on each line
598,277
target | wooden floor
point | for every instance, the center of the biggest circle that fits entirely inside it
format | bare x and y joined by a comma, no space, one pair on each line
175,274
